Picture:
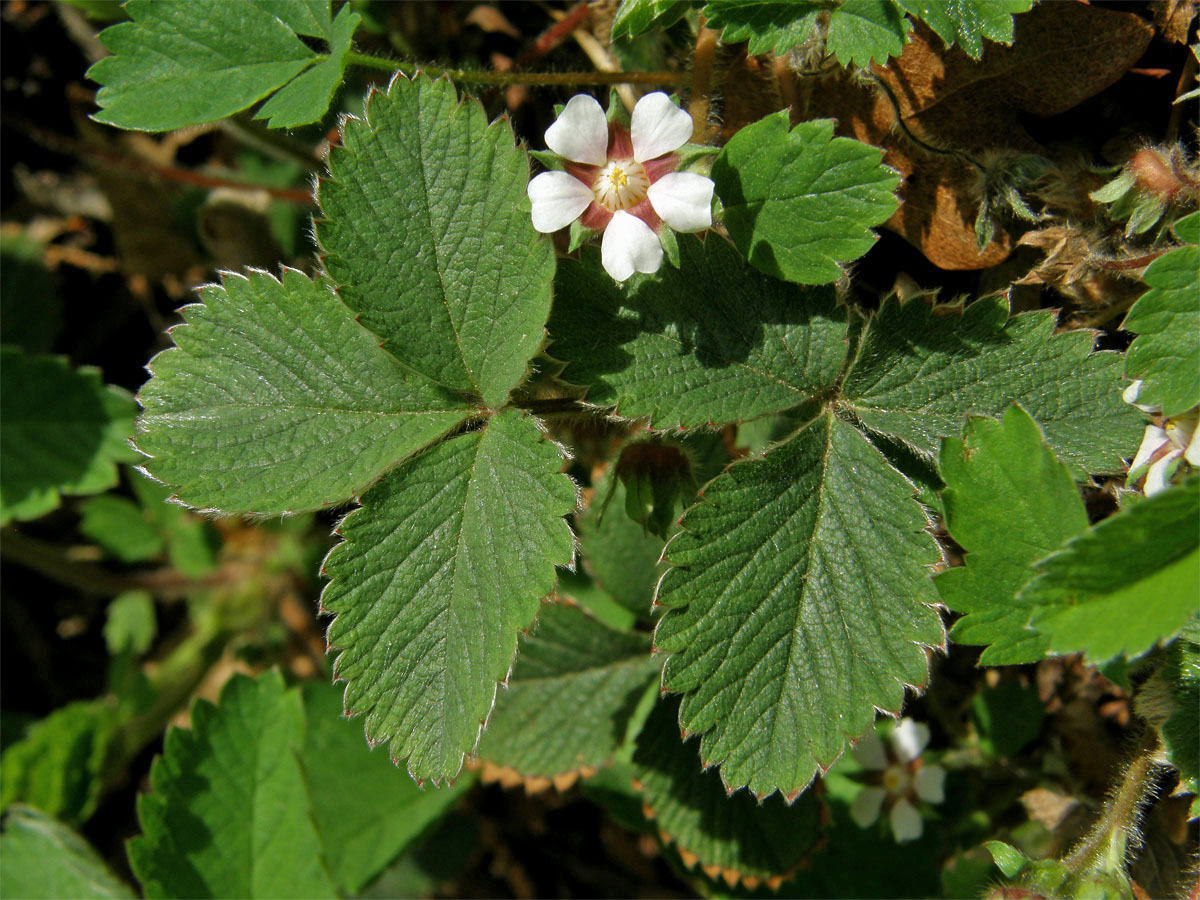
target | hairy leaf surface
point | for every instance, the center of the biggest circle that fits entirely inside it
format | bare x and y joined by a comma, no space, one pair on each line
968,22
445,562
712,341
573,688
429,237
918,373
1126,583
274,399
797,606
177,64
228,816
736,837
62,431
635,16
800,202
1008,502
1166,353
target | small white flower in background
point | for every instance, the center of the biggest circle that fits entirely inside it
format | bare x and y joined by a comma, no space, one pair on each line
903,780
622,181
1164,446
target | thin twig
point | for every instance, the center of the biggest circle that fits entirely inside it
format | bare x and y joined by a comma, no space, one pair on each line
470,76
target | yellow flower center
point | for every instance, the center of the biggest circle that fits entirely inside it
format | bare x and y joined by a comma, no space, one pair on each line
896,779
621,184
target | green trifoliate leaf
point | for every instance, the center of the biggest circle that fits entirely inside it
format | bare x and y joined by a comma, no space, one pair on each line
119,526
635,16
306,98
274,399
366,810
229,813
62,431
968,22
797,605
178,64
918,373
46,859
428,234
1124,584
799,203
445,562
735,838
1008,502
59,763
712,341
572,690
1166,353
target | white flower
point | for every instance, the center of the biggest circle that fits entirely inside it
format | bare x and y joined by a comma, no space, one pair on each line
904,780
1163,447
622,182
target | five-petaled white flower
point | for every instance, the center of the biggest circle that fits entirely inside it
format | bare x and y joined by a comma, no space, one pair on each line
1164,446
622,181
903,782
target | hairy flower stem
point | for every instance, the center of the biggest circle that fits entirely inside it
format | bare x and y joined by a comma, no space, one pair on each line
1106,846
470,76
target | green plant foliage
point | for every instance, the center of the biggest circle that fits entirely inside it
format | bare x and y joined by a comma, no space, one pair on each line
1124,584
178,64
58,765
1008,717
1181,731
438,571
131,624
117,525
62,431
652,350
229,813
570,696
191,541
30,309
968,22
804,574
800,202
859,31
1008,503
862,32
365,809
275,400
735,837
619,554
428,234
917,373
636,16
306,98
1166,355
46,860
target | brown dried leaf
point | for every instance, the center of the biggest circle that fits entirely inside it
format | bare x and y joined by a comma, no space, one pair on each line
937,108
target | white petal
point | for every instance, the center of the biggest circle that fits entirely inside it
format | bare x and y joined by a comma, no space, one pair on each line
558,200
1192,455
866,806
1152,438
906,822
869,752
658,126
1158,476
683,200
909,739
930,783
1131,394
629,246
581,133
